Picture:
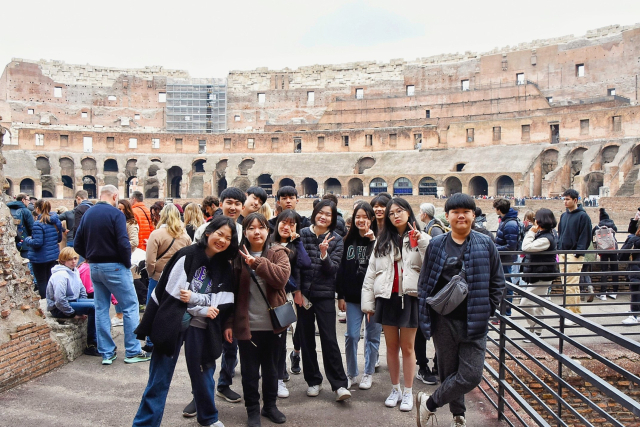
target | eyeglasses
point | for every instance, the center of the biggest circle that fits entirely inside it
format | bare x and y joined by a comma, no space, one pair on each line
399,212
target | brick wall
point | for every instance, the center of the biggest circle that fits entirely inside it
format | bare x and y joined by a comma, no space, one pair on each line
29,353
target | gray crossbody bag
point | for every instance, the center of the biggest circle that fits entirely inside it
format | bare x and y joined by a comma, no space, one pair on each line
453,293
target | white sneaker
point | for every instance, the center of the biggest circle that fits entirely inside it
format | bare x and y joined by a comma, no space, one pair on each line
612,296
424,414
458,421
342,394
407,402
365,384
393,398
116,321
283,391
217,424
314,390
602,297
342,314
351,381
631,320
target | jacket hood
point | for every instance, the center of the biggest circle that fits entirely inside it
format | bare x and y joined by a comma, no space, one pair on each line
16,204
511,214
606,223
61,268
576,210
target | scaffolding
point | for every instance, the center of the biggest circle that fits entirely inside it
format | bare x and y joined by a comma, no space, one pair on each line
196,105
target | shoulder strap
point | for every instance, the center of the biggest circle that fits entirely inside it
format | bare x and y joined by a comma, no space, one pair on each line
255,279
166,250
146,216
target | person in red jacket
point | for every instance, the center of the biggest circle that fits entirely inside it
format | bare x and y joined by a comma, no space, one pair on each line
143,217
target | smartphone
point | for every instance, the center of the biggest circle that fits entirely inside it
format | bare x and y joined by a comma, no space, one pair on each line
306,303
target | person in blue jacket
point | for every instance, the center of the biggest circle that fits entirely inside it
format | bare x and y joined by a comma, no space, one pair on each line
43,244
21,213
507,237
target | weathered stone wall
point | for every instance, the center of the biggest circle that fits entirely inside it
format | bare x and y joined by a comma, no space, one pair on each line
27,348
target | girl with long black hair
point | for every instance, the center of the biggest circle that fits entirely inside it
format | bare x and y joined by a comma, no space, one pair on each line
390,290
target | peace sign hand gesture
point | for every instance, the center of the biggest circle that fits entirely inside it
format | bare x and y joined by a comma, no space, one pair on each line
369,232
414,235
324,246
248,258
294,235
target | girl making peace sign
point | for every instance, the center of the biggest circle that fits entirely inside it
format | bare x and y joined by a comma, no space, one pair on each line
324,247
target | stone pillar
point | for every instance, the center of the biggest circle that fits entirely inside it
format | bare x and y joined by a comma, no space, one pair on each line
38,189
59,190
162,183
184,186
16,188
122,186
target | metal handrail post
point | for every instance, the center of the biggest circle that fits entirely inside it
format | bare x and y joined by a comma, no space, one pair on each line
502,358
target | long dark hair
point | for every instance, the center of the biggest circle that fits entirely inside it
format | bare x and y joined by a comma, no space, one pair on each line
334,213
216,223
287,214
44,210
248,220
389,237
353,233
128,211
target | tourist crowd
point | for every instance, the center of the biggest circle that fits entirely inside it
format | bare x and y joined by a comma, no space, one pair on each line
228,278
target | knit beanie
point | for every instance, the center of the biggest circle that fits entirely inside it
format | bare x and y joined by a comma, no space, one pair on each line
603,214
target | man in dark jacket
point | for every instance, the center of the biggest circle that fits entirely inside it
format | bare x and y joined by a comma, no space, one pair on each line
83,206
287,198
574,233
460,337
606,257
20,212
507,237
103,240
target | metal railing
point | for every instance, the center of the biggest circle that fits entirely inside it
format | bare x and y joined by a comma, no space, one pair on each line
547,372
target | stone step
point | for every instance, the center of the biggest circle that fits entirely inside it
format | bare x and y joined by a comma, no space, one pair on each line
627,188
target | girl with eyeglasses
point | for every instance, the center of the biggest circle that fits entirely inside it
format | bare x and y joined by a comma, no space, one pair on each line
390,293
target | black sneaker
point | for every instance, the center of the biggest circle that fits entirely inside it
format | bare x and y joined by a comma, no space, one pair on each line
425,375
274,415
91,350
147,348
189,411
229,395
295,362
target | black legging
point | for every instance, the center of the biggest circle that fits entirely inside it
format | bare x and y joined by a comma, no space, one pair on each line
42,272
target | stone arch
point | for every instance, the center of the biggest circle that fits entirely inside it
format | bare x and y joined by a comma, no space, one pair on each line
609,153
198,166
333,186
131,169
309,187
478,186
286,182
43,165
636,155
363,164
356,187
220,175
575,158
377,186
428,187
131,185
549,161
174,179
89,185
67,166
452,185
265,182
245,165
110,165
9,189
48,186
6,136
402,187
89,167
593,182
28,186
505,186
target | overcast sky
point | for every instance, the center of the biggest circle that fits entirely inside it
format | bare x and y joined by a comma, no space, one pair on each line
210,38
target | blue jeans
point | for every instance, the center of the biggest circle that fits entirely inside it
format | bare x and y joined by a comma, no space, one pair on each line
83,306
116,279
372,332
228,364
161,371
152,285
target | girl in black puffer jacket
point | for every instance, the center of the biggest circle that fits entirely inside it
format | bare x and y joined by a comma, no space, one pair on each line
633,242
325,248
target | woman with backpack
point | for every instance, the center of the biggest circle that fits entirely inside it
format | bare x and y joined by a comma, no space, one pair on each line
43,244
358,245
261,272
539,238
390,293
633,269
604,237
